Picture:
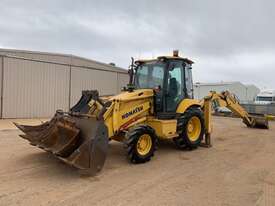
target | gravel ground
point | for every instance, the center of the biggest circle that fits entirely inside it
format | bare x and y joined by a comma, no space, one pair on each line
238,170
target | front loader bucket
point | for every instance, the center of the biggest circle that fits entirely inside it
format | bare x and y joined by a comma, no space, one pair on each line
79,141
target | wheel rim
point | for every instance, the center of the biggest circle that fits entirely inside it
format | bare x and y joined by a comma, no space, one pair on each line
144,144
194,128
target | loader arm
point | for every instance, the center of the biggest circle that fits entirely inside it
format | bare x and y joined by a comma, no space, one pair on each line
228,100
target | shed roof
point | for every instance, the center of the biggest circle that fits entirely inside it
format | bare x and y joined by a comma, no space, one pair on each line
69,57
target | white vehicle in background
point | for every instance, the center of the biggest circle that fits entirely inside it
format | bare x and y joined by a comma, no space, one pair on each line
265,97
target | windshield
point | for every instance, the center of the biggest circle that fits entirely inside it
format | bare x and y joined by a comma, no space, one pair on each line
268,99
149,75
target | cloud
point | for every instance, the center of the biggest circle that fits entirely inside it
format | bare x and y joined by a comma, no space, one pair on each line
229,40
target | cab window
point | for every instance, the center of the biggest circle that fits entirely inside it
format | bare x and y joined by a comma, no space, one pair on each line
189,82
149,76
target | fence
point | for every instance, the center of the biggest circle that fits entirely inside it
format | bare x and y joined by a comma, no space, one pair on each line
260,108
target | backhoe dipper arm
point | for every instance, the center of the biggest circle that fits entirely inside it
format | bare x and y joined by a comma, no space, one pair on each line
226,99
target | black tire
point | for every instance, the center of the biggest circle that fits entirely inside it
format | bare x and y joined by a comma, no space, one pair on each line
183,141
132,139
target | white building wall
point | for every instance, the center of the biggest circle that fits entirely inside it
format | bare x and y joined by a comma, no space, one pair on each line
252,92
243,92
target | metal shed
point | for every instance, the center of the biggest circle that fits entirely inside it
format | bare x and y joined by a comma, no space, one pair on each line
36,84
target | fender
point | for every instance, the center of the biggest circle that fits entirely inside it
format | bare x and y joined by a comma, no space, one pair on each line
187,103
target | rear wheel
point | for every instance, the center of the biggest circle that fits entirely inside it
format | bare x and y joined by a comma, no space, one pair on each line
141,144
190,128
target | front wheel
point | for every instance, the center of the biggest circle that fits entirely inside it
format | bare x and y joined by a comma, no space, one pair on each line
141,144
191,129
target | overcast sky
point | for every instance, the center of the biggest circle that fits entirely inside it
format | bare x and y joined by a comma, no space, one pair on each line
228,40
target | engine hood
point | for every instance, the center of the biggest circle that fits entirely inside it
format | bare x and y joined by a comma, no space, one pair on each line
136,94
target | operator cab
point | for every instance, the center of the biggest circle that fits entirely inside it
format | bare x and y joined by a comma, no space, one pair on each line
171,79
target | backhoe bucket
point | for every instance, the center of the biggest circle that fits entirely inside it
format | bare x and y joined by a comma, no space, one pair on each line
79,141
260,122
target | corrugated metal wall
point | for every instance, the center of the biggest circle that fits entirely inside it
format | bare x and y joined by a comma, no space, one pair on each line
123,80
1,73
83,79
34,89
42,83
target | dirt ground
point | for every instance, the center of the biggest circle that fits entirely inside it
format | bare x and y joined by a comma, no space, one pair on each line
238,170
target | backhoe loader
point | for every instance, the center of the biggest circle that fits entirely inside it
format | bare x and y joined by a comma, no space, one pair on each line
157,104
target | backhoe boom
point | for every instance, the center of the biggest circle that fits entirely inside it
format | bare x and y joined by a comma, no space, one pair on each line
230,101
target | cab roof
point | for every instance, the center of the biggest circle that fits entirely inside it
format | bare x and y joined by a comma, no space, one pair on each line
140,61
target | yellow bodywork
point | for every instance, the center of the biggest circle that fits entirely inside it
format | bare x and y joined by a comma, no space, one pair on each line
165,129
129,109
187,103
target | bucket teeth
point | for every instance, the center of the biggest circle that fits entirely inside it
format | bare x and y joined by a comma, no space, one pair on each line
35,133
26,128
78,141
38,133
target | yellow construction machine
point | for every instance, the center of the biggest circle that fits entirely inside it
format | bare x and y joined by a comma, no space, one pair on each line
157,104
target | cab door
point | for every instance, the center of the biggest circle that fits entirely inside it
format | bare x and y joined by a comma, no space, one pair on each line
188,80
176,88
